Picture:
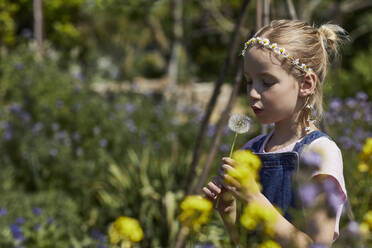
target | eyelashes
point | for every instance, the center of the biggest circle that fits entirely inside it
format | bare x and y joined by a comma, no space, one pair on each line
264,83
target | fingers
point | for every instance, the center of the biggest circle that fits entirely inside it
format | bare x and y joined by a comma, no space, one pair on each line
229,161
212,190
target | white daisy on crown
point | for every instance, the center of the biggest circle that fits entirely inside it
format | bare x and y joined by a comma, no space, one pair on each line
278,50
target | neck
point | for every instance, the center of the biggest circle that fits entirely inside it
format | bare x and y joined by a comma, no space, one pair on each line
286,132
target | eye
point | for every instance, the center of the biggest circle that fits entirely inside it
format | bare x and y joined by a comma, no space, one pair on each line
266,84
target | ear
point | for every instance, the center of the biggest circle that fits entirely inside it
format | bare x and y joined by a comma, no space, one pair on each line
308,85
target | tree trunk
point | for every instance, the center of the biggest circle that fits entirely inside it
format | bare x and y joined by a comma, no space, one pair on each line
173,67
38,24
291,10
212,102
221,126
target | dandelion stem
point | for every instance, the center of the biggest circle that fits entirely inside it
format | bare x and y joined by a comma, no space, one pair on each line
233,144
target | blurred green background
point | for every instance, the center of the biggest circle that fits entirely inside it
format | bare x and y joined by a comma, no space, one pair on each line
88,131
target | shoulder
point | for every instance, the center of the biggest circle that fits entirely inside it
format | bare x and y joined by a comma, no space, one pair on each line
327,146
332,163
250,143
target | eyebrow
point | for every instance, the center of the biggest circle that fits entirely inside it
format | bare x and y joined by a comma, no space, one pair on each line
260,74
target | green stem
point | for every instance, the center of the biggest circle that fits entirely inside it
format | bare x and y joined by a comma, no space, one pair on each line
233,144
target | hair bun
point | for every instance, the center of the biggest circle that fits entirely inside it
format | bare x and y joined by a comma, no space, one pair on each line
332,36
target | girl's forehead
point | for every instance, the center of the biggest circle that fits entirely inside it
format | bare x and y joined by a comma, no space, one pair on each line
258,60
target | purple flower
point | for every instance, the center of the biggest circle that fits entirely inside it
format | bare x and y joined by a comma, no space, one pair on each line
53,152
103,142
37,211
205,245
27,33
101,246
37,227
357,115
317,245
351,102
26,117
19,66
20,221
311,159
130,108
96,234
346,142
8,135
224,148
79,151
76,136
55,127
16,232
362,96
131,126
329,186
353,227
15,108
3,211
334,201
50,220
76,107
96,130
335,105
37,127
308,193
211,130
59,104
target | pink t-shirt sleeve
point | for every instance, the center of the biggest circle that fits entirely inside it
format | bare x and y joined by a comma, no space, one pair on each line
332,165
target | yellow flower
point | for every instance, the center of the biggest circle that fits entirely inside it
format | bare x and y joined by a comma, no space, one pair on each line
362,166
246,170
269,244
256,213
367,148
125,228
196,211
366,152
364,229
368,218
114,235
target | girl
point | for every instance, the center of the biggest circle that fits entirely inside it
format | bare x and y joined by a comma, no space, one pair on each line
285,64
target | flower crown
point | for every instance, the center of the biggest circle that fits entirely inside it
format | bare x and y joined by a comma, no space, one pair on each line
278,50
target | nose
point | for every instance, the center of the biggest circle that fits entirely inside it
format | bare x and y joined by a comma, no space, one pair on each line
252,92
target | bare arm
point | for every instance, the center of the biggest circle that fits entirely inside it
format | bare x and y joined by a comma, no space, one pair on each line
285,232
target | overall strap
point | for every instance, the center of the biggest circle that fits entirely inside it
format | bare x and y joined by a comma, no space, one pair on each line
308,139
257,145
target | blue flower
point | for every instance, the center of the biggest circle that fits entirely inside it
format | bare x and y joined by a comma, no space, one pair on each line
3,211
37,211
131,126
50,220
53,152
130,108
96,234
16,232
20,221
312,159
37,127
353,227
103,142
317,245
211,130
37,227
308,193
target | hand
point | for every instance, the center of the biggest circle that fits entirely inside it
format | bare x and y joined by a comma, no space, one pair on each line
233,185
222,200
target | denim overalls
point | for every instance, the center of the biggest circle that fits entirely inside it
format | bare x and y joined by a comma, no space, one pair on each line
277,170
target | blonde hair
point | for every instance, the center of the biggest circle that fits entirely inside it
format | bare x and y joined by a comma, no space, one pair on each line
315,47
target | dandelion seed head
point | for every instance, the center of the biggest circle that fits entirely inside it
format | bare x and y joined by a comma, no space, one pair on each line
239,123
